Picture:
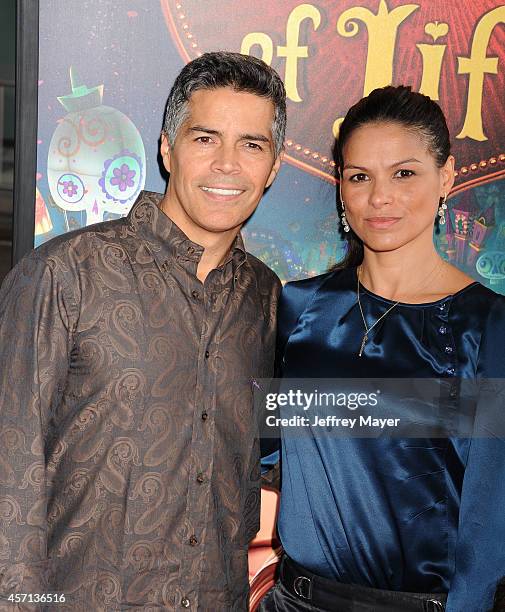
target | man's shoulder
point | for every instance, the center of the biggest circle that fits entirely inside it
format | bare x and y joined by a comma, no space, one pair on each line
63,258
262,271
82,238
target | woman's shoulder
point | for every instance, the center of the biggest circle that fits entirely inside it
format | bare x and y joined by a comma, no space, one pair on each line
300,292
297,296
478,298
479,313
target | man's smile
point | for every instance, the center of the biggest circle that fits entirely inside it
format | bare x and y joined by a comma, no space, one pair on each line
222,191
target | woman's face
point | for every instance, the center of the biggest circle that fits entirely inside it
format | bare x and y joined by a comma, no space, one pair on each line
391,186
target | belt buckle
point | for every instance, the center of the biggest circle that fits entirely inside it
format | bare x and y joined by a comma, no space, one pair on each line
437,606
303,587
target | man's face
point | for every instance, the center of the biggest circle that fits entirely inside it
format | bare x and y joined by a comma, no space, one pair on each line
222,160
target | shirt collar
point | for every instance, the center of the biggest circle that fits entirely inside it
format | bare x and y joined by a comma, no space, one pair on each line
167,241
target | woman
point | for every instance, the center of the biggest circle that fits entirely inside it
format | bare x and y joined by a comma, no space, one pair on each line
392,525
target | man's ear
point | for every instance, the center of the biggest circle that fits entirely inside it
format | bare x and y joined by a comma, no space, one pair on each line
165,152
275,169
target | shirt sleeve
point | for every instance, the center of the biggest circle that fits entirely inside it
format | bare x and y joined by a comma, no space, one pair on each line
35,345
480,546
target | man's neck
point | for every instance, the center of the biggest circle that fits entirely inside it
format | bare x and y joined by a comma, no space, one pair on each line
213,256
216,245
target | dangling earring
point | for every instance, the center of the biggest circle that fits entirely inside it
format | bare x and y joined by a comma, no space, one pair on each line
343,219
442,207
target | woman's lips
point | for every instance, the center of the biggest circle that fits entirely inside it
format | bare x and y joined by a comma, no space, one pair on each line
381,222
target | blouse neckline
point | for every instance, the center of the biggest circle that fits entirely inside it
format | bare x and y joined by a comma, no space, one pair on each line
447,298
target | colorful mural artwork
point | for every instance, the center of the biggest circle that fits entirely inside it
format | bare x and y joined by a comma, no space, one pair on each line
92,161
96,161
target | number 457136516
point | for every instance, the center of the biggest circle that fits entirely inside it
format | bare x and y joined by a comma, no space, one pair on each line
37,597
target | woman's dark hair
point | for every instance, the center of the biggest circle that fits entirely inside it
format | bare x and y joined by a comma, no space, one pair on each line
400,105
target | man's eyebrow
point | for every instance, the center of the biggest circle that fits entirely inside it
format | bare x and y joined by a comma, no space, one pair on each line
258,137
206,130
201,128
399,163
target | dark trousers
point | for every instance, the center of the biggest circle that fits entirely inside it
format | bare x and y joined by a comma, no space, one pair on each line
299,589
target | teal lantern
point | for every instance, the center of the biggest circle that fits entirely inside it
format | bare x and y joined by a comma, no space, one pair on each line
96,161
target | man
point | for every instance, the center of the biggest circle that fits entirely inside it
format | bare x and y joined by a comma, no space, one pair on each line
129,474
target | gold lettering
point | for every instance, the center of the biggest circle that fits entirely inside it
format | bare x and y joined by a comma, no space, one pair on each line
336,126
433,56
263,41
382,32
476,66
292,52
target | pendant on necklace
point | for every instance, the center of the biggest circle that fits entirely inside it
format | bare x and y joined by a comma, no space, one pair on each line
363,342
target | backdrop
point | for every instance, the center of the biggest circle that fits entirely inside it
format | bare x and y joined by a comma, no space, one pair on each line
106,66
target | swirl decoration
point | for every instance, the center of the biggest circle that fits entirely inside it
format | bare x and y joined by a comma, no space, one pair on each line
70,142
71,544
142,556
120,458
77,482
33,546
94,131
34,476
106,589
347,25
10,510
13,441
152,492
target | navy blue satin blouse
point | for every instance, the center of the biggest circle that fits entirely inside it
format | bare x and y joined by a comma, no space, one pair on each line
409,515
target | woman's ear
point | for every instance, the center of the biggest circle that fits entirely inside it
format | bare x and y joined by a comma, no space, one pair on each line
447,176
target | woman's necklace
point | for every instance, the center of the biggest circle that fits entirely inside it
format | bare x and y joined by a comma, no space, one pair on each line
367,328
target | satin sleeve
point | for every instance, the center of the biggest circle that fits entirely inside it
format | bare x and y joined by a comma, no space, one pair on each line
293,300
480,545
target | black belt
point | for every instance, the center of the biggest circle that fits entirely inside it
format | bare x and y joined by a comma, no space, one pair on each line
328,594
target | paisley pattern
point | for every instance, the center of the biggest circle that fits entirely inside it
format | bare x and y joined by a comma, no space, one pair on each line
128,440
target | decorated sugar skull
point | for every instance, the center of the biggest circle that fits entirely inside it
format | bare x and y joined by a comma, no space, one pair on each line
491,265
96,161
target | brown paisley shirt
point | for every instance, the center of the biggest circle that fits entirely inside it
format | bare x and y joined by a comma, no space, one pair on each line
129,475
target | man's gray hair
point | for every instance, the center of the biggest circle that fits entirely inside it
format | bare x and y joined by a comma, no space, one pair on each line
226,69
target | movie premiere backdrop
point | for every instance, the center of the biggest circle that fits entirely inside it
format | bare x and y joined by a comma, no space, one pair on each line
106,66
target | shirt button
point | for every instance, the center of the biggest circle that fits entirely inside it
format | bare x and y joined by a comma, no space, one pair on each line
205,416
196,295
193,540
207,354
185,602
200,478
442,329
441,306
448,349
190,250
